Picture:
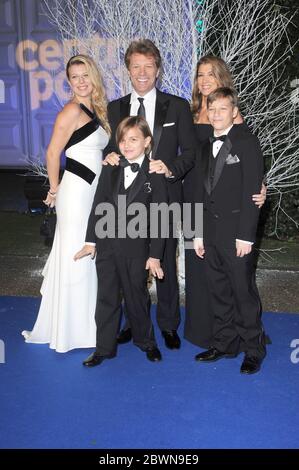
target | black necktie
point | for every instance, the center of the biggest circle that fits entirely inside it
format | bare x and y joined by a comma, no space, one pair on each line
141,109
215,138
123,162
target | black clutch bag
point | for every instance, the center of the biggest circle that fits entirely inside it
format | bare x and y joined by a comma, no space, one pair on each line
47,228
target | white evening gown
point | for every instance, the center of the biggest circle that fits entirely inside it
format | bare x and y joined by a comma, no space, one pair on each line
69,290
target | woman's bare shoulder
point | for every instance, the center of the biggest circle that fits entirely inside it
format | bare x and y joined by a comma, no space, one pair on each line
70,113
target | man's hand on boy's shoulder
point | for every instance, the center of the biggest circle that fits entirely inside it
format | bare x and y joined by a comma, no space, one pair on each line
111,159
159,167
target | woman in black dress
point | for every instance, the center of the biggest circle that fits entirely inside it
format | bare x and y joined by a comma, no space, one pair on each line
211,73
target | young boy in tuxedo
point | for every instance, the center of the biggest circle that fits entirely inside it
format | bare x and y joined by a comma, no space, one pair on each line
122,258
231,169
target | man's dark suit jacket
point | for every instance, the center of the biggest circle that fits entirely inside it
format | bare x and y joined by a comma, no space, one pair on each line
229,212
146,189
173,133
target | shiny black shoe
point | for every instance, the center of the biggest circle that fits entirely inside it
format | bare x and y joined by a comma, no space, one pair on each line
124,336
212,355
95,359
172,339
250,365
153,354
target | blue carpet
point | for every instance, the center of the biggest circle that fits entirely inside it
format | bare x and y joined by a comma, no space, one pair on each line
49,400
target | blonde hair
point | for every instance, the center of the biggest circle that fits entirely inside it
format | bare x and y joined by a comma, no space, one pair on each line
98,97
221,73
131,122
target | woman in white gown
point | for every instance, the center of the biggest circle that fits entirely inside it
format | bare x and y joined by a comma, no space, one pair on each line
66,315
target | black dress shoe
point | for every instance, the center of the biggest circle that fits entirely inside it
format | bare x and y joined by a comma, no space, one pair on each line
211,355
95,360
153,354
172,339
250,365
124,336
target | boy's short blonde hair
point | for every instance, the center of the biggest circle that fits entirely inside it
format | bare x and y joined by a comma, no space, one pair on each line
223,92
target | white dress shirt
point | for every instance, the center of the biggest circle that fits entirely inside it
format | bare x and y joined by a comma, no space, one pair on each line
130,175
149,104
218,144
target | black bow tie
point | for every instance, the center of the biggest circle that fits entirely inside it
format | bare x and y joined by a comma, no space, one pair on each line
124,163
220,137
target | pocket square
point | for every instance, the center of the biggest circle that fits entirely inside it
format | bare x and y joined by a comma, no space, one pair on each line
232,159
168,124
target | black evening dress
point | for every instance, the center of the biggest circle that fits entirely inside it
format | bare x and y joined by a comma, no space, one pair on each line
198,316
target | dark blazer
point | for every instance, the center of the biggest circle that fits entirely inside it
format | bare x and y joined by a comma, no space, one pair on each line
179,136
229,211
146,189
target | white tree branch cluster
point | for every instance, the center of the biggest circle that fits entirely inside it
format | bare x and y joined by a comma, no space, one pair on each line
104,29
247,34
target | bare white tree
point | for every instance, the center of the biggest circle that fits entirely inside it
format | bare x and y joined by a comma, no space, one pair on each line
249,37
104,29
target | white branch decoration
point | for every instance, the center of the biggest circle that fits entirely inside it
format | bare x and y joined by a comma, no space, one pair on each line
104,29
248,35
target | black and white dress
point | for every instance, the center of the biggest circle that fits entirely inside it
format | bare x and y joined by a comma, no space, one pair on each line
69,290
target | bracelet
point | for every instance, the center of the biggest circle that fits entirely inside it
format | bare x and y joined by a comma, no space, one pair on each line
51,194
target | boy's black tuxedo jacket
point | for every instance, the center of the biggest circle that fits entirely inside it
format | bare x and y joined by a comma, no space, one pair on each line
108,191
229,212
170,139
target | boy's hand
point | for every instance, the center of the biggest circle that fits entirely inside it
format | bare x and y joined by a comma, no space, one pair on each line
243,248
111,159
199,247
259,199
153,264
86,251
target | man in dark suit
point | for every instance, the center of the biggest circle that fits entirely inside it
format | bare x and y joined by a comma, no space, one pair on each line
231,166
170,121
123,256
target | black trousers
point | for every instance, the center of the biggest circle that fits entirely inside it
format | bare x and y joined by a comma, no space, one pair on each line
168,306
235,302
117,276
